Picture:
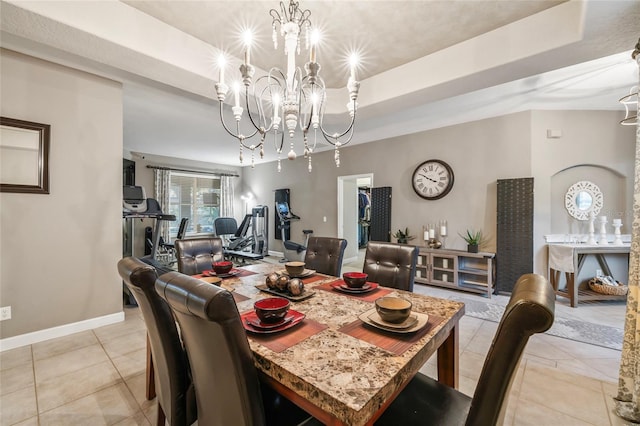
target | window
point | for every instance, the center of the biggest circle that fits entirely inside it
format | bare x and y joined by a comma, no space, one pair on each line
196,197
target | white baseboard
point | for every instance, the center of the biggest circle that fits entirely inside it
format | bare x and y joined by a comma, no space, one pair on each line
276,253
60,331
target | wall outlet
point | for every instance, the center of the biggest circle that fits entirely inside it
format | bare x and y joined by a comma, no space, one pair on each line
5,313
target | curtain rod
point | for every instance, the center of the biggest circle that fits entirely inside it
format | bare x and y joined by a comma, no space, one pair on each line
216,173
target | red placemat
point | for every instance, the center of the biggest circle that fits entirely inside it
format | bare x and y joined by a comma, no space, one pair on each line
367,297
239,273
279,342
312,279
396,343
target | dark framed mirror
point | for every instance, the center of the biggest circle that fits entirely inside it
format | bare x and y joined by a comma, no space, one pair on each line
24,156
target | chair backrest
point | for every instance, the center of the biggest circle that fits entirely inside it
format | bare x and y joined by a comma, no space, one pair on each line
530,310
169,357
225,226
197,254
390,264
225,378
325,254
182,228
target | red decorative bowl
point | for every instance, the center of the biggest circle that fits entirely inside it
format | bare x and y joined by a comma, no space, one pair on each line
222,267
271,309
355,279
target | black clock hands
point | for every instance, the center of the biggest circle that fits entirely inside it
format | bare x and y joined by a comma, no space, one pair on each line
432,180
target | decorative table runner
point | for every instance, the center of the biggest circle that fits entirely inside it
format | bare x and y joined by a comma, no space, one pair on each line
367,297
283,340
396,343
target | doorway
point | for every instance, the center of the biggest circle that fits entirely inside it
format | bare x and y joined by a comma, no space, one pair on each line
350,211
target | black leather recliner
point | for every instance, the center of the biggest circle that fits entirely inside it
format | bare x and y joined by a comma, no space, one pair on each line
176,397
391,265
424,401
325,254
197,254
228,390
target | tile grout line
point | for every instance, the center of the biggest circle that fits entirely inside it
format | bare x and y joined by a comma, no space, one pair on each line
124,382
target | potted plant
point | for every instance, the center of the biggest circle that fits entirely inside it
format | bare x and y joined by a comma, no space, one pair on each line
403,237
473,239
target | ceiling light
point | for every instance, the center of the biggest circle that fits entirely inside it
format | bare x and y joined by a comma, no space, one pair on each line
286,101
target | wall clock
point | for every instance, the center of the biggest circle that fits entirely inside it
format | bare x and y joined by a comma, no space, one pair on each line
432,179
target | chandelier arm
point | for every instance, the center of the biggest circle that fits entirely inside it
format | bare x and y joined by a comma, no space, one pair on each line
337,136
224,124
246,102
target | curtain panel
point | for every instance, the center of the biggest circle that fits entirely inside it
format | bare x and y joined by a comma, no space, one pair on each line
162,187
628,398
227,195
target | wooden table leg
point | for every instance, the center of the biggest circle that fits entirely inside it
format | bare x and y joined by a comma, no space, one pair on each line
449,360
572,289
151,383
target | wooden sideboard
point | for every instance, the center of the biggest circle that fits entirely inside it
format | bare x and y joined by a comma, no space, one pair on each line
457,269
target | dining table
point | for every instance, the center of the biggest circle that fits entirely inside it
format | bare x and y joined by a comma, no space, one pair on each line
336,364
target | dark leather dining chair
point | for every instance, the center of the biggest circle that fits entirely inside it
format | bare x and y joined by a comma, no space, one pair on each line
176,397
391,265
424,401
325,254
228,389
197,254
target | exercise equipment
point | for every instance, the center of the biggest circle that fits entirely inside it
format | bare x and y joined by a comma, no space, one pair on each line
285,216
135,205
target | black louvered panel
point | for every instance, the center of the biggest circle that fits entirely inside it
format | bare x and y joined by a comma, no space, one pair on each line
514,254
380,229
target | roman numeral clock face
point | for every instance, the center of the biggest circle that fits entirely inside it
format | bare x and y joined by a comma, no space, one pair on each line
432,179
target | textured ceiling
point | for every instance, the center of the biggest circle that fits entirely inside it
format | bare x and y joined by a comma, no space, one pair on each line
385,33
426,64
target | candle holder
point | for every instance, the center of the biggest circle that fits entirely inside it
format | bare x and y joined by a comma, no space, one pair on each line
617,224
603,231
443,231
592,231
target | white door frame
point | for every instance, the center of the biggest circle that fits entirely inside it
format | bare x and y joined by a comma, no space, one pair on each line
341,180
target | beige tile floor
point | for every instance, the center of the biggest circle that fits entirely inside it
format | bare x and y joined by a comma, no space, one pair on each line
97,377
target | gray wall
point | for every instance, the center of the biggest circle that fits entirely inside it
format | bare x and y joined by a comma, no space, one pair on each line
479,152
59,251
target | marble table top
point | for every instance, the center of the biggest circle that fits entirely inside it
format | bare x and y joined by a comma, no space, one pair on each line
342,375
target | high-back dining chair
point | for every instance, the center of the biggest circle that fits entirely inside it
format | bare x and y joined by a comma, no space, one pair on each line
176,397
325,254
228,390
424,401
391,265
197,254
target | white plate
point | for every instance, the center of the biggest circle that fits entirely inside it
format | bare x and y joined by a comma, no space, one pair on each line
409,322
422,320
305,273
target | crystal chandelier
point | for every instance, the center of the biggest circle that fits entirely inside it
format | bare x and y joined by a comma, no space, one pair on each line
298,99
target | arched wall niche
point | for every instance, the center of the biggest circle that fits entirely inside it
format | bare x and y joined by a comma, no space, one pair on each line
613,186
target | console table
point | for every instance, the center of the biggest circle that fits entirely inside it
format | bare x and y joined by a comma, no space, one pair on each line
569,258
